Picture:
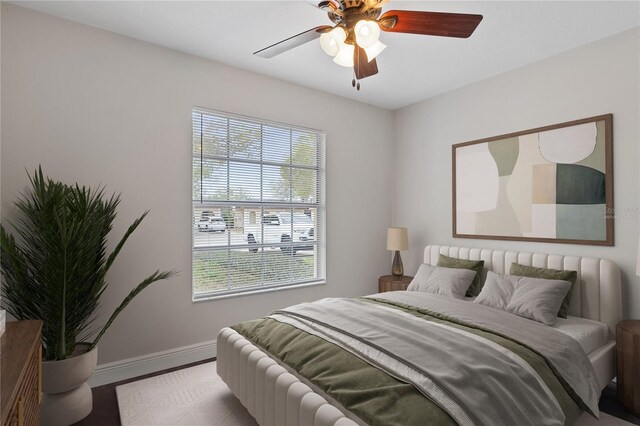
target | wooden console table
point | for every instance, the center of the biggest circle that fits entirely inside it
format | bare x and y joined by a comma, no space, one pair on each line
21,369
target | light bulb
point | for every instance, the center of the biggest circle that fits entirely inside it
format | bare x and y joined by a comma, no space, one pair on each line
375,50
345,55
367,33
332,40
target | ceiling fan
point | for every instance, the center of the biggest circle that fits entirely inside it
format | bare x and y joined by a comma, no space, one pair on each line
354,39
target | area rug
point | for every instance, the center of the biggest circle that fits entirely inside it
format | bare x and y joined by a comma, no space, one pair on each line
192,396
197,396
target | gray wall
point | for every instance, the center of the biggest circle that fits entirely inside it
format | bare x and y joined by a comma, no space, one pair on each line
96,107
599,78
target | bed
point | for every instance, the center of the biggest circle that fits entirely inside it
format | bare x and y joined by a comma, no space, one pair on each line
276,394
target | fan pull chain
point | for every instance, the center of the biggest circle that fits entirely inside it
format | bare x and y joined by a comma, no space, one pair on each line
355,83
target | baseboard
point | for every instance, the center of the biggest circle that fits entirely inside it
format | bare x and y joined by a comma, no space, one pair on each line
146,364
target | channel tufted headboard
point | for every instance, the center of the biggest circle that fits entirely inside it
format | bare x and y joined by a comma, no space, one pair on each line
596,296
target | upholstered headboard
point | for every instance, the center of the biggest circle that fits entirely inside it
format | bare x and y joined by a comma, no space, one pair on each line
596,296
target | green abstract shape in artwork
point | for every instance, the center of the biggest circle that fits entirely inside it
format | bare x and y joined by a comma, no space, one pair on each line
505,154
577,184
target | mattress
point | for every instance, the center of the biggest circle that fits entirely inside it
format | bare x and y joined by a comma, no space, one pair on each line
588,333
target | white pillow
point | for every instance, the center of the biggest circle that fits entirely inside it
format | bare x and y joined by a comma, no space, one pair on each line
452,282
534,298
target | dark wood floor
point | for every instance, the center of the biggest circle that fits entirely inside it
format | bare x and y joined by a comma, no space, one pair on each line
609,404
105,404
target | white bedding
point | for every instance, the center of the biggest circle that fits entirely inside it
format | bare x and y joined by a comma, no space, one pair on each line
590,334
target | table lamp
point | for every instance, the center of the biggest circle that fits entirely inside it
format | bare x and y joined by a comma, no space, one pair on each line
397,240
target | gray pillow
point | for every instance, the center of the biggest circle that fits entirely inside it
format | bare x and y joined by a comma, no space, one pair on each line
474,265
548,274
534,298
444,281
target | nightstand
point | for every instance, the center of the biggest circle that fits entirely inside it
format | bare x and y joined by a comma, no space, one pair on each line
392,283
628,364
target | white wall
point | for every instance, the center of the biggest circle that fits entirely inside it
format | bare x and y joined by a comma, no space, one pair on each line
96,107
599,78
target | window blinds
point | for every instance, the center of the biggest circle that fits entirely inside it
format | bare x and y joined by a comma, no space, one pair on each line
258,204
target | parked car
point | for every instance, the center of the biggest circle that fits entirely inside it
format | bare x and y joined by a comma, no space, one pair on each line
209,222
277,228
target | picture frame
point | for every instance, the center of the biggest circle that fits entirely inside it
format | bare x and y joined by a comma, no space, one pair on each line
551,184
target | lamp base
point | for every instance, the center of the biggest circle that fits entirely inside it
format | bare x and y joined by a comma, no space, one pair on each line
397,270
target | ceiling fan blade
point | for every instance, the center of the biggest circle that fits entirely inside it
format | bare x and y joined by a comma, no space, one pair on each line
429,23
291,42
362,66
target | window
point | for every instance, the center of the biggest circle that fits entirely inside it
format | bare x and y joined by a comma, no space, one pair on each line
258,205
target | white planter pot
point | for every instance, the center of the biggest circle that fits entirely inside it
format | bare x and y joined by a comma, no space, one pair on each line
67,398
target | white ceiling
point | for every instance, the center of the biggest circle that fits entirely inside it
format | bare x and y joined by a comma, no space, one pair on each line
412,68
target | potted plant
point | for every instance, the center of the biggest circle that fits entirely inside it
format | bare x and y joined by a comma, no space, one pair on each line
54,270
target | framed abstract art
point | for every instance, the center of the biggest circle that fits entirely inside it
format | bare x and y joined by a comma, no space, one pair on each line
551,184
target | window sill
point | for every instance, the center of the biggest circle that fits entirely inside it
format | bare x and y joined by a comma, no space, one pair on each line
271,289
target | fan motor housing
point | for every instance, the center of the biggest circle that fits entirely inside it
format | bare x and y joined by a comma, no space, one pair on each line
351,11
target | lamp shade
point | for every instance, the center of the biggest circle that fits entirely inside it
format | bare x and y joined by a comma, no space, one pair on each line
345,55
367,33
397,239
375,50
332,40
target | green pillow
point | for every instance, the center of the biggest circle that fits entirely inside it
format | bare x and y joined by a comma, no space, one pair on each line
548,274
473,265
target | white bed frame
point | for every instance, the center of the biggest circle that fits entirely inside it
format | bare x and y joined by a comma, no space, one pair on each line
274,396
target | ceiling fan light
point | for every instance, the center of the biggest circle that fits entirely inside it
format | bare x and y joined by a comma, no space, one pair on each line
375,50
332,40
329,44
345,55
367,33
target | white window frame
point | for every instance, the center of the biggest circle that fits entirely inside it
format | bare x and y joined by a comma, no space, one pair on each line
319,205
